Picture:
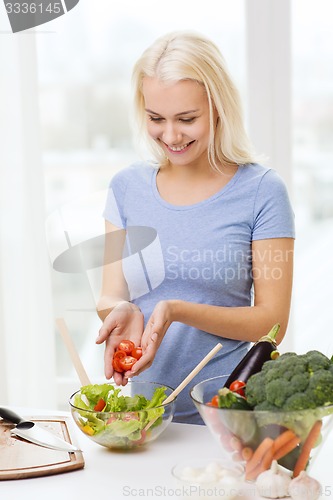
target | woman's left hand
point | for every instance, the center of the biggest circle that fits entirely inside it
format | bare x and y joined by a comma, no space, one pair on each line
156,328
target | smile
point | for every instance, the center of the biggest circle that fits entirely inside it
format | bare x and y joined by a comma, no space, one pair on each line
177,149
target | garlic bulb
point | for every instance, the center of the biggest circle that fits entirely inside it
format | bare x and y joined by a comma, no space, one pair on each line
304,487
273,483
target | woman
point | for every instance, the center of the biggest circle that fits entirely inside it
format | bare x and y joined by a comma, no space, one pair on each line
224,226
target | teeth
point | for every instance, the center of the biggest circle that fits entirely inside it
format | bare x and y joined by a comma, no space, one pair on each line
179,148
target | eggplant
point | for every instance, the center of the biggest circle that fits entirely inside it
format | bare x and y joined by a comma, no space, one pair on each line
263,350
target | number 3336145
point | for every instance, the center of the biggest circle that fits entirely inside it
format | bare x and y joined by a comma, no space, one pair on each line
33,8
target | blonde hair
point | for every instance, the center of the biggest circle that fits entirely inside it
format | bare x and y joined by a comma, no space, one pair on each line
184,55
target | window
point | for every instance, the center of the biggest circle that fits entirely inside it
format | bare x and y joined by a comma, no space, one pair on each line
312,106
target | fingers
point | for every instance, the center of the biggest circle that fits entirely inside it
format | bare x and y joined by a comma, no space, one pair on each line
154,332
105,330
146,359
108,357
119,378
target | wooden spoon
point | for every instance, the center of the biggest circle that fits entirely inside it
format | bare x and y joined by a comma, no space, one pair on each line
187,379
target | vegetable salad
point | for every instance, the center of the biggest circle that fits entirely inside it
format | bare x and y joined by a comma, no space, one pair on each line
115,420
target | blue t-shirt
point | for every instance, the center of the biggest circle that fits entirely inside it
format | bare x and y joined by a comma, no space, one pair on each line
199,253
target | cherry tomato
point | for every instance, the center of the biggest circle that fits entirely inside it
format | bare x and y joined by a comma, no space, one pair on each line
215,401
137,352
238,386
127,346
118,355
125,349
127,362
100,405
116,365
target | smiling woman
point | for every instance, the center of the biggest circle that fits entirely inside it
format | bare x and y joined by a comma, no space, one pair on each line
203,189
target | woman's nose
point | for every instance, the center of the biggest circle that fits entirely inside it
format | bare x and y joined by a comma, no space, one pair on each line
171,134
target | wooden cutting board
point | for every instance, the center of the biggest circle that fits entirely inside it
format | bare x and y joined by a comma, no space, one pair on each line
21,459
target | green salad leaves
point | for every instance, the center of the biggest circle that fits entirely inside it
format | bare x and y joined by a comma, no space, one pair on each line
129,416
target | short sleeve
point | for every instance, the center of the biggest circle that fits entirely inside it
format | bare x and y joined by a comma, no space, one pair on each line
273,214
114,206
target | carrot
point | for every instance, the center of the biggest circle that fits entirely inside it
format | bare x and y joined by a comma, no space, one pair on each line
284,444
286,448
258,454
263,465
282,439
309,443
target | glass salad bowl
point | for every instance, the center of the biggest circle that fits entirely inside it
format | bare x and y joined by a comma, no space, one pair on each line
122,417
254,438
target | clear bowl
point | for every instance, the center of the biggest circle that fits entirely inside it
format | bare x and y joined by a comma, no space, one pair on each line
125,430
240,432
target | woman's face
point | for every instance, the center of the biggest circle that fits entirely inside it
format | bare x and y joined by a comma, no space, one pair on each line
178,119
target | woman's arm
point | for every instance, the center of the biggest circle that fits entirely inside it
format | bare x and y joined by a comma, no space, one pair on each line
114,287
272,269
121,319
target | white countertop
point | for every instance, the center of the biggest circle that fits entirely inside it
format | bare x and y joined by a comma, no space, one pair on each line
145,473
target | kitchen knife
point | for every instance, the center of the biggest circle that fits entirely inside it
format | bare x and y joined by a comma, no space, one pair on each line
34,433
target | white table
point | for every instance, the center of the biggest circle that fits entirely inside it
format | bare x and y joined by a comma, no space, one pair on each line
144,474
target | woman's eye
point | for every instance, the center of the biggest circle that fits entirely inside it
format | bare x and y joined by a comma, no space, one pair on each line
187,120
155,118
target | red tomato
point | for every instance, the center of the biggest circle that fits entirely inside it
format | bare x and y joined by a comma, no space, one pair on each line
215,401
118,355
126,346
116,365
127,362
238,386
126,349
137,352
100,405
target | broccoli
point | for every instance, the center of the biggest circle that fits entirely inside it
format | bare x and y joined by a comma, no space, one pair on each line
232,400
292,382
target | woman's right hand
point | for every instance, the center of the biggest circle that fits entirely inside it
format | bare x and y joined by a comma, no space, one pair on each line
125,321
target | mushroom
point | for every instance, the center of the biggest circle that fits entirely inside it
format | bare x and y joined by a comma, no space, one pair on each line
273,483
304,487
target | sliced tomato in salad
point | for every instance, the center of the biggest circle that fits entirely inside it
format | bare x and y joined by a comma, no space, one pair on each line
100,405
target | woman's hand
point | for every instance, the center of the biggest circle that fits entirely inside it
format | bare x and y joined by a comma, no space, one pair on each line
125,321
156,328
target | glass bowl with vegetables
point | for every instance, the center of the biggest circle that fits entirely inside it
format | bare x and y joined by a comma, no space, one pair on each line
122,417
281,412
